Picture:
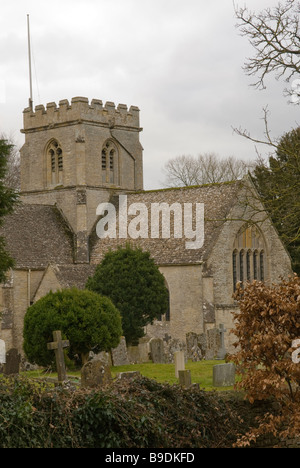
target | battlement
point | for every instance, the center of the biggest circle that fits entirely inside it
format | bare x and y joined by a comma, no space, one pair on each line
81,111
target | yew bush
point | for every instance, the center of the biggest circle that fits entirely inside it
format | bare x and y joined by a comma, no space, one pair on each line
266,326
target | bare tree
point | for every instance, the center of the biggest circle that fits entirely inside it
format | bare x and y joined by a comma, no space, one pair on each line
205,169
274,35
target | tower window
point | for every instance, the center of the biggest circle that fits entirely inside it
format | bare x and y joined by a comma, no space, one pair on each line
109,165
55,156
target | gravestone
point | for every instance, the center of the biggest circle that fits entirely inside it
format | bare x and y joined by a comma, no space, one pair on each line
58,346
95,373
179,362
2,352
12,365
185,378
222,351
119,354
224,375
157,351
128,375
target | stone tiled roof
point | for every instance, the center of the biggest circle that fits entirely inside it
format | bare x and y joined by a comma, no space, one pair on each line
73,275
218,199
37,235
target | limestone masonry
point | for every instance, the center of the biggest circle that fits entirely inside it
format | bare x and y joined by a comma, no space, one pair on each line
80,154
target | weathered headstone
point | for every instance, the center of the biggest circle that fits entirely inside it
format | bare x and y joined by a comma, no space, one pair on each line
224,375
185,378
12,365
2,352
58,346
94,374
119,354
222,351
213,343
157,351
179,362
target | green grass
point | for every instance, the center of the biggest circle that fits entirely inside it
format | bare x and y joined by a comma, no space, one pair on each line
201,373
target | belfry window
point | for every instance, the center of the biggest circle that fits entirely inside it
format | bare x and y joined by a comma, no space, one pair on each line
249,257
55,157
109,157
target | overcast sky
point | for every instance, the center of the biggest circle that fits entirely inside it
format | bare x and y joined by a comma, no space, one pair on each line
179,62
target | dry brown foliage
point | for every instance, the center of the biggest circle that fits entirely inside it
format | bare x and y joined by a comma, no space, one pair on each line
266,326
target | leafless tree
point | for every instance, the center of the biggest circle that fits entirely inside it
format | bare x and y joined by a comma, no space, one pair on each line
205,169
274,35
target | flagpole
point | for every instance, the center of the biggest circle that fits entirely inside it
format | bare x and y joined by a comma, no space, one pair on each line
29,57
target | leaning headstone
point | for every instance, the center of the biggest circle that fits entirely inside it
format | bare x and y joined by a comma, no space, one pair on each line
185,378
2,352
58,346
12,365
224,375
179,362
157,351
95,374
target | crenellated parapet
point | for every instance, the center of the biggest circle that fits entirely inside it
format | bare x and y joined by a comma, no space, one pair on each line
81,111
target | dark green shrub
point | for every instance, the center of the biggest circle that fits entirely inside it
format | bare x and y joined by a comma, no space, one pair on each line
87,320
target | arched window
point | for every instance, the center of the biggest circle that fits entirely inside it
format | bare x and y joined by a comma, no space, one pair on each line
109,157
234,268
55,162
261,266
248,258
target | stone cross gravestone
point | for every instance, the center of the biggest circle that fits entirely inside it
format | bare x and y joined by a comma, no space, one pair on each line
58,346
13,359
224,375
2,352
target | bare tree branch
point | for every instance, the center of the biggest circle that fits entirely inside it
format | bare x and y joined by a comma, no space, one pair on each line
274,35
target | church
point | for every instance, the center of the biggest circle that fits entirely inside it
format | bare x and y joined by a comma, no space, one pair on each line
80,154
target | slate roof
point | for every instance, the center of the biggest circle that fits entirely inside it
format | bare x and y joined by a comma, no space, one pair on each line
218,199
37,235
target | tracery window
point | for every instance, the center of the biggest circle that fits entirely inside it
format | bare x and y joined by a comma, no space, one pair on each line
55,156
109,157
249,256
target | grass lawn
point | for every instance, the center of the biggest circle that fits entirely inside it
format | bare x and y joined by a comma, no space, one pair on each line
201,373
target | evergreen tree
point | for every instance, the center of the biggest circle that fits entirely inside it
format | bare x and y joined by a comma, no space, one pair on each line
130,278
8,198
278,183
90,322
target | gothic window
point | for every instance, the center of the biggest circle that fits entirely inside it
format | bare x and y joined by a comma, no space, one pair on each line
248,258
109,162
55,158
234,267
261,265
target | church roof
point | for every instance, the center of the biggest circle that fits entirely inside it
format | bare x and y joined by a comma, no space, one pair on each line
218,199
70,276
37,235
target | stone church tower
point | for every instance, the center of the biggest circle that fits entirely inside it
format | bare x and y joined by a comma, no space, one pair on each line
76,156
